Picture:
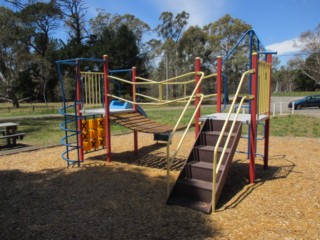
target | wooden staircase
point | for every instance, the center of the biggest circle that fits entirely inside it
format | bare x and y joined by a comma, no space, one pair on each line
193,187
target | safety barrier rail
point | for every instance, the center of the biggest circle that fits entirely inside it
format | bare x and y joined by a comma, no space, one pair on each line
216,162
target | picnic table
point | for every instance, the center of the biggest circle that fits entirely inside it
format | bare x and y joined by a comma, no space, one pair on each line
9,132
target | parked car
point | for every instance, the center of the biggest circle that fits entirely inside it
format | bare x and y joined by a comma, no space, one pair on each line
309,101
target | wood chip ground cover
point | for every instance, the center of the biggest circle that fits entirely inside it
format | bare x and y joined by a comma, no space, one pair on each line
40,198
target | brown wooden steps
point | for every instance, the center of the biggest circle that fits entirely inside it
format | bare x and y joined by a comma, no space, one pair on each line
193,187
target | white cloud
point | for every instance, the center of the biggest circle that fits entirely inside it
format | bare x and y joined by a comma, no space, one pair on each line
288,46
201,12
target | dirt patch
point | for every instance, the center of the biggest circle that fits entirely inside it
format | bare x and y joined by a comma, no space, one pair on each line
43,199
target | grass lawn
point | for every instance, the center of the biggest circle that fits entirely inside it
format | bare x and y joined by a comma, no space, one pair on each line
45,131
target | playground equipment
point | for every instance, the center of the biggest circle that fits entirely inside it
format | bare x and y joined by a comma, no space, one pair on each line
217,135
88,93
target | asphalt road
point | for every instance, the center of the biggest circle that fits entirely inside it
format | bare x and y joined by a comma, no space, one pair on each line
279,105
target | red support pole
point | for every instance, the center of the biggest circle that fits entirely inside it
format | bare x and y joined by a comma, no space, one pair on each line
106,107
78,108
267,123
253,123
197,101
135,133
219,83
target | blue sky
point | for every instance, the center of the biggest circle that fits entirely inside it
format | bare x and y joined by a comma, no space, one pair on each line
277,22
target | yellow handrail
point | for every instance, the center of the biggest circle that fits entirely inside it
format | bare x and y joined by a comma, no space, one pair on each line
170,159
149,103
215,155
93,97
192,96
210,76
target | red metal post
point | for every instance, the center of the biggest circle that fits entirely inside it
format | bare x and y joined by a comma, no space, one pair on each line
197,101
78,108
267,123
135,133
106,107
253,123
219,83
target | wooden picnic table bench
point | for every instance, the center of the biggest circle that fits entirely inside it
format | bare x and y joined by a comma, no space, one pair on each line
9,132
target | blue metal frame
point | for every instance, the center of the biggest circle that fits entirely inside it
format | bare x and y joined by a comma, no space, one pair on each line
253,35
73,118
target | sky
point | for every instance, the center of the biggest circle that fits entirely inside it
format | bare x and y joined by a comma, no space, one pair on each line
278,23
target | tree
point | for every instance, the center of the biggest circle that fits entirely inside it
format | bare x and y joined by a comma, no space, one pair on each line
172,27
170,31
121,48
193,44
74,12
42,18
107,20
310,41
222,37
224,33
15,57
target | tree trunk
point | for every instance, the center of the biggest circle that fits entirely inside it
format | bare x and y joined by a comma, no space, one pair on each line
12,96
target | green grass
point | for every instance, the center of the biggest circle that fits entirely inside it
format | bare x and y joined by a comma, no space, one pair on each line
28,109
294,94
295,126
45,131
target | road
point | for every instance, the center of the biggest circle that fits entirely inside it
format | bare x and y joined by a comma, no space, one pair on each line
279,105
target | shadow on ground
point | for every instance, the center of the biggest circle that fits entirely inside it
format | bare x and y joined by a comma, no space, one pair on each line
98,202
152,156
238,187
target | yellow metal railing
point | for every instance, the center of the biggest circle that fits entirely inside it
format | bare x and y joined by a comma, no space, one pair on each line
264,72
173,156
159,100
92,87
216,162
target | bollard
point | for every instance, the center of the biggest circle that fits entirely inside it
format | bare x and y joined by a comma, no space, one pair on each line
274,109
292,110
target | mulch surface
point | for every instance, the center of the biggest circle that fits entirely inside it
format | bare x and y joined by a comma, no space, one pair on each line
40,198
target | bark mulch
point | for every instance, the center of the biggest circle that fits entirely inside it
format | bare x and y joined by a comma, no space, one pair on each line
40,198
